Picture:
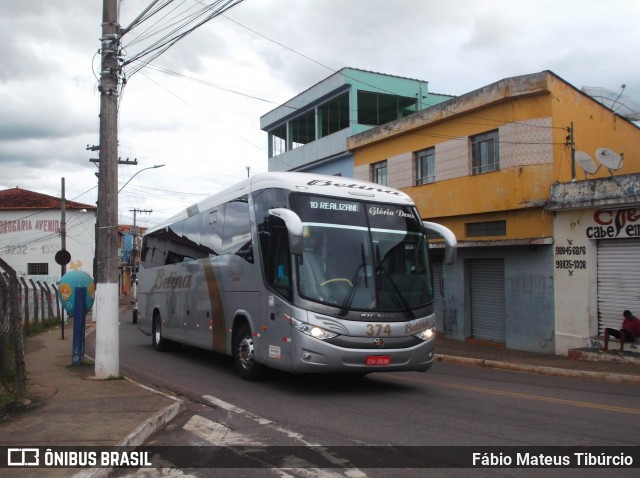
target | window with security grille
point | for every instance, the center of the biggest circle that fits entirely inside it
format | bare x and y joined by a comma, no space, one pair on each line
37,268
486,228
379,173
485,153
425,166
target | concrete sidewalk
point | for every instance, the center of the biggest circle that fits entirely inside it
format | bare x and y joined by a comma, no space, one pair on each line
585,363
70,408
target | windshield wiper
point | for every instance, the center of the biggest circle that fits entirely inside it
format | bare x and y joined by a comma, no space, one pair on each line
394,286
357,277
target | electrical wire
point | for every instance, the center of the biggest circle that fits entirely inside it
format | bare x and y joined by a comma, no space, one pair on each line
181,27
191,17
159,47
205,114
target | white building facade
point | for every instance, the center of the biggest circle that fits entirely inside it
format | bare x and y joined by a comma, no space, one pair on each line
31,228
596,257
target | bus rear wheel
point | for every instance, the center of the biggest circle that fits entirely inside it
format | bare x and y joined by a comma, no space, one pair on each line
159,343
243,355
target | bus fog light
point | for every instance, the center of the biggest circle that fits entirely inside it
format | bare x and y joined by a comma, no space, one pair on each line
306,356
426,334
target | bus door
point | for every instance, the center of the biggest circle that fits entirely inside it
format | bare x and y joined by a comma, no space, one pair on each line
277,295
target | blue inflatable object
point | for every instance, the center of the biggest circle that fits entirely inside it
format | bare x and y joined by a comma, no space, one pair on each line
67,287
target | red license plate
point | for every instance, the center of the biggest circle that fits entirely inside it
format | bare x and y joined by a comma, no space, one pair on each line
378,360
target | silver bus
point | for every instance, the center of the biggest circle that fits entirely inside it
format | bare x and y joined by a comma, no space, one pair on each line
296,272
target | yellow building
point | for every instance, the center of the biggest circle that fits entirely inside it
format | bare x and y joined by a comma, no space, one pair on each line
483,164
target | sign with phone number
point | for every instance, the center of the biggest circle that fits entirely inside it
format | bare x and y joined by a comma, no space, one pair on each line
574,263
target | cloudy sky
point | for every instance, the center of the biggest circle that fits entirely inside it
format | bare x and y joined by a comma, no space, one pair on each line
196,109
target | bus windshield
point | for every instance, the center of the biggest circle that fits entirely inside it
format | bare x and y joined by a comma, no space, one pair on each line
362,256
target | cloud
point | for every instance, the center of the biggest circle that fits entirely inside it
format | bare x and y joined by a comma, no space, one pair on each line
34,33
204,125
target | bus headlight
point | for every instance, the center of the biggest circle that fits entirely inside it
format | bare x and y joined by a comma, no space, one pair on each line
426,334
312,330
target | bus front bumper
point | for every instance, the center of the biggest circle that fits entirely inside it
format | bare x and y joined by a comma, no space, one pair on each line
310,355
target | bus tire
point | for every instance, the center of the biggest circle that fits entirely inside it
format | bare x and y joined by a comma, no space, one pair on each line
159,342
243,354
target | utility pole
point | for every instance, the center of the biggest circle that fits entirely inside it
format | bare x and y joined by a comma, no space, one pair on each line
63,226
106,301
134,251
63,243
106,263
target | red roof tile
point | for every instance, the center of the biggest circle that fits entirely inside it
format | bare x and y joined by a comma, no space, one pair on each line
17,198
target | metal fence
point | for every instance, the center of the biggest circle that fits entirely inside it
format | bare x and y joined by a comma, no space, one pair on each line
38,302
24,305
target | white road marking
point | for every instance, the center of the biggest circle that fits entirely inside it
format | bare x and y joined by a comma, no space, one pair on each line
216,433
302,472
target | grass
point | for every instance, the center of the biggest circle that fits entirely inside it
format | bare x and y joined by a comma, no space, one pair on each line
5,399
41,326
9,377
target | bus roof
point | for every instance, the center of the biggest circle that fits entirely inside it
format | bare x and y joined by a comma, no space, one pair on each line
320,184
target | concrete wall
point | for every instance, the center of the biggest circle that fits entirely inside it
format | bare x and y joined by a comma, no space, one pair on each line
328,146
529,299
576,287
529,296
338,167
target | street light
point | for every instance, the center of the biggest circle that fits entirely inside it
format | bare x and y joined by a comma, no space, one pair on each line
138,172
155,166
105,269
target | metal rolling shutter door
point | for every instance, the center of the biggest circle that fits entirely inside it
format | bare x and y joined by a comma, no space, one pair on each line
618,281
438,298
487,299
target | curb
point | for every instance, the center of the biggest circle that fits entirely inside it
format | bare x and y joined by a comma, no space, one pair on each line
541,370
145,429
142,432
155,422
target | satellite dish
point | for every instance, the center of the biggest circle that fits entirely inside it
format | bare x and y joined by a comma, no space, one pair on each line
609,159
586,162
616,101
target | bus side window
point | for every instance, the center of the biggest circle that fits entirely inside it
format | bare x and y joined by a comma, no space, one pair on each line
236,238
174,253
191,239
211,231
144,249
154,250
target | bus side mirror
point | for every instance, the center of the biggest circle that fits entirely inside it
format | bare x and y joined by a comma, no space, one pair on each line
450,241
294,226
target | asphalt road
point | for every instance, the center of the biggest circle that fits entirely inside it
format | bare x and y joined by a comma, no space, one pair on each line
449,405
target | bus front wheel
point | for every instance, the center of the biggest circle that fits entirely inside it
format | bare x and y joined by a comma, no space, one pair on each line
243,354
